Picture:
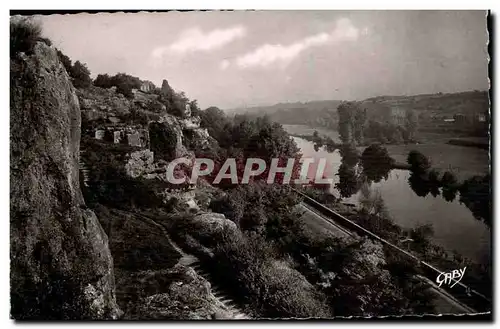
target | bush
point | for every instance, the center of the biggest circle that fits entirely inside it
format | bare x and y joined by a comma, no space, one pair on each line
376,162
124,83
81,75
271,290
65,60
418,162
24,34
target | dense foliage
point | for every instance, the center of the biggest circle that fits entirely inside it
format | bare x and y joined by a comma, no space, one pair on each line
81,75
475,192
357,128
124,83
24,34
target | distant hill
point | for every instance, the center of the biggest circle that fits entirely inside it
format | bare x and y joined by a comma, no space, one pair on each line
324,113
314,113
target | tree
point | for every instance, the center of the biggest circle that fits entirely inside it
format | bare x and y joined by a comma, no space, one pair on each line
65,60
475,193
346,115
103,81
450,186
349,155
81,75
419,184
434,182
215,121
349,183
195,109
418,162
352,122
411,123
359,125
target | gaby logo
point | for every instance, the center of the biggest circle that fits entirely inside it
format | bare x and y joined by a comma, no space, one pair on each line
449,277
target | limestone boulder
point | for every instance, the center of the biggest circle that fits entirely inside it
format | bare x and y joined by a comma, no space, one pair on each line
61,266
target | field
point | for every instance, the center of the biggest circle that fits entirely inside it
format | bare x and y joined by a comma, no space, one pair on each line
303,130
464,161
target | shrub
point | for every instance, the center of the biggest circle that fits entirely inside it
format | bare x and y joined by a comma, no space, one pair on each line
124,83
376,162
65,60
272,290
418,162
24,34
81,75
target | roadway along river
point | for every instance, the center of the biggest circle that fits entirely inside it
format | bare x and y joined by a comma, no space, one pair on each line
454,226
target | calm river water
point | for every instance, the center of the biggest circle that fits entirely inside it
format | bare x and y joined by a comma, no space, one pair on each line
454,226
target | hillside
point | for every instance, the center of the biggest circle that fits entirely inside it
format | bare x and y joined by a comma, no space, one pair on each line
432,109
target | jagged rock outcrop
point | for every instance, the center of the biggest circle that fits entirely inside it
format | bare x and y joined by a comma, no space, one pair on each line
166,139
147,86
212,224
61,266
166,91
188,297
140,163
99,103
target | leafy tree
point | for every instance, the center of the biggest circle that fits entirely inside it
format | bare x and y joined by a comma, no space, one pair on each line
359,125
376,163
350,155
81,75
419,164
434,182
65,60
215,121
349,182
103,81
411,123
419,184
195,109
475,193
346,115
450,186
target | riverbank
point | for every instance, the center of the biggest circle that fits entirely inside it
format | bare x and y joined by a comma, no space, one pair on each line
463,161
478,276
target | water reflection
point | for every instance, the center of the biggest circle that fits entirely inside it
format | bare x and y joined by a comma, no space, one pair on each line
454,225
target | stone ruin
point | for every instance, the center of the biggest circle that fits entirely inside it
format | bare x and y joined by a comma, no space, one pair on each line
99,134
137,137
147,86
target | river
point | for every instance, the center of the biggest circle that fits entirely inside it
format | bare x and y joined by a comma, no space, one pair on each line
455,228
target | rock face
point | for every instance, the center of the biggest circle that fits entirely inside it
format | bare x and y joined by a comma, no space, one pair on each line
61,266
211,224
166,139
147,86
97,103
166,90
139,163
188,297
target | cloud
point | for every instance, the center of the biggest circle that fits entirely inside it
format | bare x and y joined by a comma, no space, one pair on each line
278,54
224,64
196,40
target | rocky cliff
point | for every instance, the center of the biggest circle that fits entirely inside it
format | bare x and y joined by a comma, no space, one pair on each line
61,266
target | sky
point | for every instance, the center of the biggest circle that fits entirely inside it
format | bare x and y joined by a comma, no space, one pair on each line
250,58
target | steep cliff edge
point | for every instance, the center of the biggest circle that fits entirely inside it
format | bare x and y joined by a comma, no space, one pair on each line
61,266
